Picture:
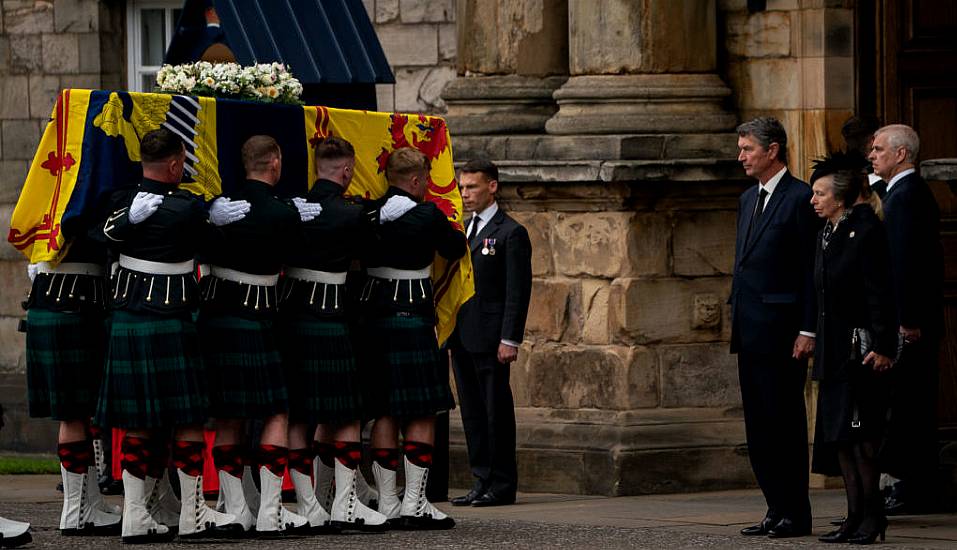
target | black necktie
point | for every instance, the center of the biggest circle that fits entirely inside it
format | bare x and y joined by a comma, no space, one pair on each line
473,231
756,216
879,187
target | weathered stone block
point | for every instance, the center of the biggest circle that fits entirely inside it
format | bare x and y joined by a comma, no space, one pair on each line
8,252
812,31
447,42
704,243
75,15
763,34
771,83
595,244
409,44
519,376
12,344
548,311
14,94
812,82
539,227
707,311
32,19
662,310
89,44
607,377
25,53
385,97
15,289
419,90
684,470
61,53
649,250
839,33
596,324
839,82
81,81
698,375
43,95
12,175
431,11
20,139
386,11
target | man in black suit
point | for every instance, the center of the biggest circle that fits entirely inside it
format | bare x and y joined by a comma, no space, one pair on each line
912,220
489,330
773,322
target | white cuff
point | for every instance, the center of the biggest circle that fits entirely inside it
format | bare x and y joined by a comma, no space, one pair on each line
511,343
808,334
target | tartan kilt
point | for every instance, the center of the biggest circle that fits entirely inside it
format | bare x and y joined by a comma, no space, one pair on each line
64,352
154,376
405,373
244,367
321,370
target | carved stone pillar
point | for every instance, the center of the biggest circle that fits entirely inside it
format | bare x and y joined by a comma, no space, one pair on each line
512,56
651,69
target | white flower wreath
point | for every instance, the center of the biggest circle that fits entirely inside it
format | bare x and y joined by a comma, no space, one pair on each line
264,82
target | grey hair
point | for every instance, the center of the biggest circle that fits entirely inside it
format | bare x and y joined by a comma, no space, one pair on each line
901,135
767,130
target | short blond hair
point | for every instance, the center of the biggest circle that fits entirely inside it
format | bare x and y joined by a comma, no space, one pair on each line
404,163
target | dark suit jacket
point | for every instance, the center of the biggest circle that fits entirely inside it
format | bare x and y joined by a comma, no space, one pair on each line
772,294
912,220
503,287
853,281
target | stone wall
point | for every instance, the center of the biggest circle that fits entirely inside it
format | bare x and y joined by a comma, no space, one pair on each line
45,46
793,61
418,37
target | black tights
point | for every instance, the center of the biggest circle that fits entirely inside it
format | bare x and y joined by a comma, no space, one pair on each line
865,508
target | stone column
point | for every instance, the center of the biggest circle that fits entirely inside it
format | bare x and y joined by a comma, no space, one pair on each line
512,56
651,69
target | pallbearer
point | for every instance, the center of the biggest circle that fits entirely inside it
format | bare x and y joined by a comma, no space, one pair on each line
317,347
66,340
409,382
236,323
154,381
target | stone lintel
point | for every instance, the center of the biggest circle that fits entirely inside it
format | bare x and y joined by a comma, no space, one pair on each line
511,104
685,170
589,147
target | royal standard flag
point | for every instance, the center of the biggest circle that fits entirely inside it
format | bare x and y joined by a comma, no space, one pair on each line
90,148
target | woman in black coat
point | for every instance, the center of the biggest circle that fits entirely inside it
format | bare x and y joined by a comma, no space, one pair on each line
853,282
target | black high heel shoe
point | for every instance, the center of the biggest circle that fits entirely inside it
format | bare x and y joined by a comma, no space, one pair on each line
842,533
868,537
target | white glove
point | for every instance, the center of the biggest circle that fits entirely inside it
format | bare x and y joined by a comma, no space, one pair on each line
395,207
308,211
224,211
32,270
143,206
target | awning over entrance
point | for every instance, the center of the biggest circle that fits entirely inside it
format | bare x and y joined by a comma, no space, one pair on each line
330,45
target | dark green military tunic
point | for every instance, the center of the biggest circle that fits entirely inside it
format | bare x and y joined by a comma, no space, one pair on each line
237,319
409,375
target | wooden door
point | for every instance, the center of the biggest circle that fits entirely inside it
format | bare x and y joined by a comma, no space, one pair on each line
907,73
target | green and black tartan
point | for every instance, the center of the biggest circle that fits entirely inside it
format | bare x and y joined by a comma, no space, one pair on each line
244,367
321,370
64,353
407,374
154,375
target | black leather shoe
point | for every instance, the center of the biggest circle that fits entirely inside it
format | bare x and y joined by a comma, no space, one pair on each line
465,500
787,528
761,528
491,499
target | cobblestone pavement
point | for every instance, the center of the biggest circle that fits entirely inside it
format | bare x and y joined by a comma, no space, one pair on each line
706,520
